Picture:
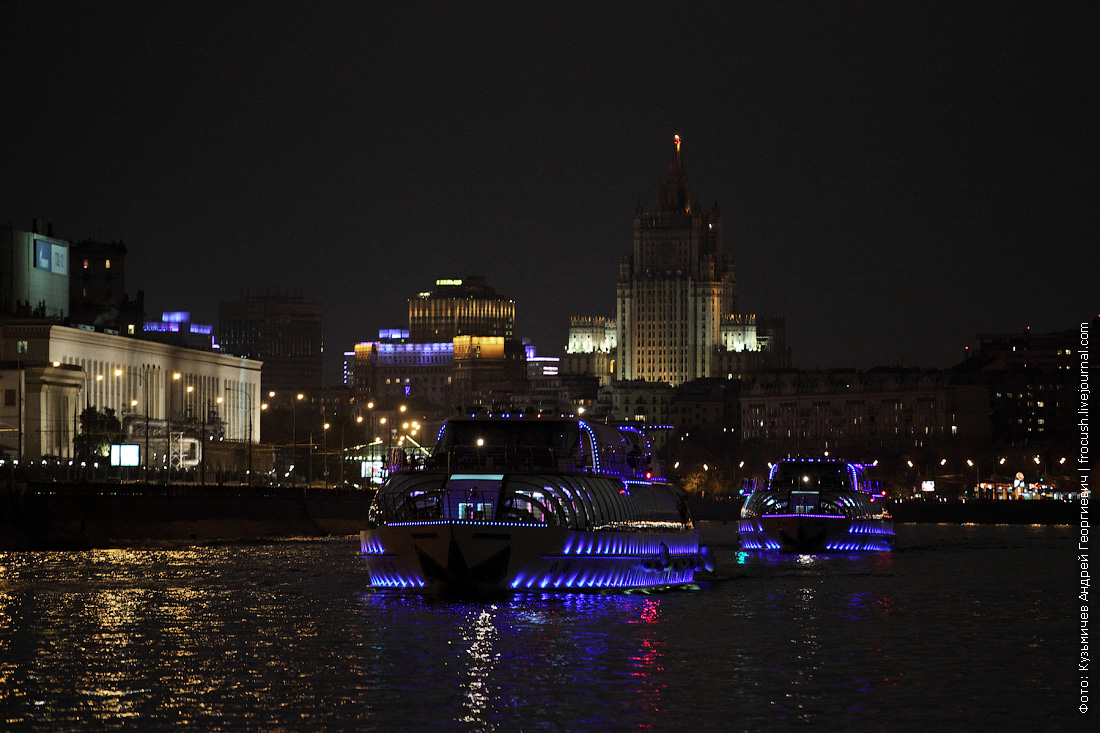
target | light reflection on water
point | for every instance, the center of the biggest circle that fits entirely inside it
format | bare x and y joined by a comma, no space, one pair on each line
285,636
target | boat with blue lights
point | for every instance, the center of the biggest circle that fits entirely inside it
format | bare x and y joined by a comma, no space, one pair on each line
809,506
517,503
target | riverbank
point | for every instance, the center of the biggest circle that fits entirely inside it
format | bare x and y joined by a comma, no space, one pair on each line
83,516
1036,511
57,516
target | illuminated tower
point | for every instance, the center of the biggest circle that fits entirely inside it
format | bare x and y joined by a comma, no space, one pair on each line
675,289
467,307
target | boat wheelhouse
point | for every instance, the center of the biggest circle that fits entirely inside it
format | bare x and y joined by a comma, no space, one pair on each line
531,503
812,506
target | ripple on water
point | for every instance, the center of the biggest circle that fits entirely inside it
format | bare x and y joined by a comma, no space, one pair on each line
960,627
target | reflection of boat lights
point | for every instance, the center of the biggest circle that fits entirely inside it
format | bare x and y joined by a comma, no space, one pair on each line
482,662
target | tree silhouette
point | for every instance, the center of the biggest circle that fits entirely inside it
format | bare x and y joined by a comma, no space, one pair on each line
98,430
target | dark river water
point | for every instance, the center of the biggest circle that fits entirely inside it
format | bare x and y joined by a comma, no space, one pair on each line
961,628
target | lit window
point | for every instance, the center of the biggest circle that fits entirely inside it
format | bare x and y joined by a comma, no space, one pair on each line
107,264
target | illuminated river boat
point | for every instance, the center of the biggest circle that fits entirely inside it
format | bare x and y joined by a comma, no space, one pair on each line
516,503
809,506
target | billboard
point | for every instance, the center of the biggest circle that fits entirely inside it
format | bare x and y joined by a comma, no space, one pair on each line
125,454
51,257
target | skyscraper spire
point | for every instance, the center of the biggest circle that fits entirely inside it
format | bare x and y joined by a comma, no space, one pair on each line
674,196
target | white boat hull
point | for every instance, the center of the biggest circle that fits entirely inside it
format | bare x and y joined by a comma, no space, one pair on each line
486,556
815,533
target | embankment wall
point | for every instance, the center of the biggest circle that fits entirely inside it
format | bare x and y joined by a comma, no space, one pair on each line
76,516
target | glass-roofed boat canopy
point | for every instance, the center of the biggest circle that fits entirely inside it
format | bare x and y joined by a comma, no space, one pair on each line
555,444
559,472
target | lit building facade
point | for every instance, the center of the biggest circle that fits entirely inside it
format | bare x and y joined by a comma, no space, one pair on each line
34,273
395,367
593,344
466,307
903,410
1033,386
50,373
458,350
488,370
677,294
176,328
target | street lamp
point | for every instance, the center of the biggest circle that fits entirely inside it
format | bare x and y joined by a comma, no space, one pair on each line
133,404
294,436
248,406
87,402
202,455
389,439
168,422
344,458
325,472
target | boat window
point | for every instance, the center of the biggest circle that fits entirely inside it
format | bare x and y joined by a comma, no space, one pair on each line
408,498
805,502
472,497
524,505
795,475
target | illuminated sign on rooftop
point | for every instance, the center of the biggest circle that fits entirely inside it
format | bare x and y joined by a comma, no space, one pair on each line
51,257
393,333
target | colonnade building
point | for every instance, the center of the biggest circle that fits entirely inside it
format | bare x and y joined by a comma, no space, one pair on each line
49,374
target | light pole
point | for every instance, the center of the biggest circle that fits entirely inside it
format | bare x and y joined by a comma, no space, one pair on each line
202,455
370,441
294,437
133,404
168,423
87,403
977,479
248,406
385,459
325,471
366,447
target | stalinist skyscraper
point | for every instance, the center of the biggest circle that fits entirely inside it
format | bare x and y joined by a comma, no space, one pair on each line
676,291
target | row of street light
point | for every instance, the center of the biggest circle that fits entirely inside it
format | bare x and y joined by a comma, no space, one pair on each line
172,388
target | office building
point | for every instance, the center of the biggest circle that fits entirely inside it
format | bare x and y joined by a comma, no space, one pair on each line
282,330
466,307
34,273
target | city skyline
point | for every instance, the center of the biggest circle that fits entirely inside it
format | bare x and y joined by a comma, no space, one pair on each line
893,180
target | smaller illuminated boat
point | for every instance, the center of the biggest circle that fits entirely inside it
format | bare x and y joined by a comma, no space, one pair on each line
809,506
531,503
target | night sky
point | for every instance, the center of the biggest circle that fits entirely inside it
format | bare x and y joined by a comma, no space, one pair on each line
894,177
